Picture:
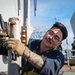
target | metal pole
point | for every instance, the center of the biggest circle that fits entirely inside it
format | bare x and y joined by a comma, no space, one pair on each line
68,56
26,18
15,28
26,13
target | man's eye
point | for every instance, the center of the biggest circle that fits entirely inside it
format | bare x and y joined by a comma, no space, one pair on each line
51,32
56,37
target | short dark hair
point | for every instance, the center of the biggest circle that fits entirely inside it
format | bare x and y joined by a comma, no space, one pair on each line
62,28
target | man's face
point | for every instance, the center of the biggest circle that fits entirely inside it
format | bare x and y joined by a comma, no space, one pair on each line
52,38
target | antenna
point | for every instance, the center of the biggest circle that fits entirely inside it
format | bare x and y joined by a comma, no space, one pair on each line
35,4
19,7
55,17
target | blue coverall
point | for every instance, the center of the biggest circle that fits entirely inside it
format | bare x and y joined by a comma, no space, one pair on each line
53,60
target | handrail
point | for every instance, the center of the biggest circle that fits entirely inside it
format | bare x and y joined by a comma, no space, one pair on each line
70,57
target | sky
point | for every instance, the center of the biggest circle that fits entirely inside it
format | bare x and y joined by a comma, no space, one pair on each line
48,10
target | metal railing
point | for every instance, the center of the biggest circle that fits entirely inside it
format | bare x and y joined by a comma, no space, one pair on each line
70,57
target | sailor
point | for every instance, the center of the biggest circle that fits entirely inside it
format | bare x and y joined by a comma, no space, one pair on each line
73,47
43,57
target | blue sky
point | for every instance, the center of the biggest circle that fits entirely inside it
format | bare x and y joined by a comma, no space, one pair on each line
46,12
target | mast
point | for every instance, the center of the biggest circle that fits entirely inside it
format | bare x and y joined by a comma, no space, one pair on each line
26,18
14,66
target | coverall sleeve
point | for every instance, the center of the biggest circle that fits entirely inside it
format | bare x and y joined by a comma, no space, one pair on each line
3,51
52,66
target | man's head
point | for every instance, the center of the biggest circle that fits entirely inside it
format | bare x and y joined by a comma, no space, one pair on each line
55,35
62,28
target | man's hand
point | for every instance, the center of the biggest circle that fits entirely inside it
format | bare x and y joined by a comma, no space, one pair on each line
22,50
15,46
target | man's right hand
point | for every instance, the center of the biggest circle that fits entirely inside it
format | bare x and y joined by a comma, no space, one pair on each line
15,46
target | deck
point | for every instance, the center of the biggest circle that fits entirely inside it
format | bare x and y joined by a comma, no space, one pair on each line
67,70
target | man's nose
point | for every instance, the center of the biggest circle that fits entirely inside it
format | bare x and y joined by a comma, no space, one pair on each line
50,36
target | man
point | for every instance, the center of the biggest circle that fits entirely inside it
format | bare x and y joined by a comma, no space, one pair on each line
43,57
73,48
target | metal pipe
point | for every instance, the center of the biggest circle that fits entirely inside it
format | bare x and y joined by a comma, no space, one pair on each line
26,13
15,29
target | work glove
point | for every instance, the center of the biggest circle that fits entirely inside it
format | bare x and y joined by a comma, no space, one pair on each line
15,46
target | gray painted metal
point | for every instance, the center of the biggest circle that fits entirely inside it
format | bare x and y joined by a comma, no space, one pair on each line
72,21
14,65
